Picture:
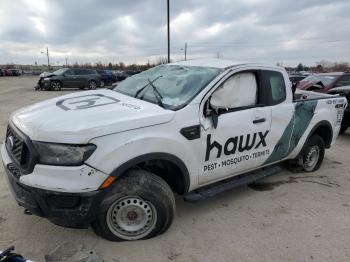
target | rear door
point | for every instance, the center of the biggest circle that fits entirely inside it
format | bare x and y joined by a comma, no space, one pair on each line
279,100
80,76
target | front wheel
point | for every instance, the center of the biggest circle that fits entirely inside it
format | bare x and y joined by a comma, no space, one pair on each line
56,86
141,205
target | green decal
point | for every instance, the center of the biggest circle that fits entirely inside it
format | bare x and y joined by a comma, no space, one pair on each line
304,111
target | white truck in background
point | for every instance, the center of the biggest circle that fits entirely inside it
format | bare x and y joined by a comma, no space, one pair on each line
113,159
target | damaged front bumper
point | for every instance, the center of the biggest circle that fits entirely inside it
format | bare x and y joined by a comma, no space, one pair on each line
76,210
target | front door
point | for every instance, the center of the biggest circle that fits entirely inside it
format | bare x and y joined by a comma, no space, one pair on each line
239,140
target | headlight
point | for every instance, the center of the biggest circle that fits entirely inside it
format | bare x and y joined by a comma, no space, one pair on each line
47,78
62,154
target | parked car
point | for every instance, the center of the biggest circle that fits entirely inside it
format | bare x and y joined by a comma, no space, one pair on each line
295,79
343,91
15,72
122,75
69,78
113,159
107,77
2,73
8,72
324,82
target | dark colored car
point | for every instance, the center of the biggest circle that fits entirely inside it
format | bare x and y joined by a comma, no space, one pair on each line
107,77
69,78
15,72
324,82
125,74
7,72
295,79
2,73
343,91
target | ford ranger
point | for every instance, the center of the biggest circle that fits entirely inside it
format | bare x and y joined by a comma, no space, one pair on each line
113,159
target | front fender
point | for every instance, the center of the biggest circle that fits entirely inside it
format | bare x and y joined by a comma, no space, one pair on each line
115,153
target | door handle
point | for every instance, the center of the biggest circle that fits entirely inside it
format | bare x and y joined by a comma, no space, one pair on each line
261,120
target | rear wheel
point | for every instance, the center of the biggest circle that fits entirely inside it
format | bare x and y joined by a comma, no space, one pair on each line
55,86
141,205
312,154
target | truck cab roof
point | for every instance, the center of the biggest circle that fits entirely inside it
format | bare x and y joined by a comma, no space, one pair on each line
220,63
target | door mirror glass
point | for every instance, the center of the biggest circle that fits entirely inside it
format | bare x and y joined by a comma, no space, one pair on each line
240,90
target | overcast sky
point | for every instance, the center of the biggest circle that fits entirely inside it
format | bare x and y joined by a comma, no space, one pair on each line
271,31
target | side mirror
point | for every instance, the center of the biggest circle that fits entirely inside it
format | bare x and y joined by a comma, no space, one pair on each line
214,114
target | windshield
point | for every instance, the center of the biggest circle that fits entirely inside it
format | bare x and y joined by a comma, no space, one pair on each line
176,84
325,79
60,71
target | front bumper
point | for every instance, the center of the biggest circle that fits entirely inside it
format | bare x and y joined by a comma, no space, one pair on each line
76,210
43,84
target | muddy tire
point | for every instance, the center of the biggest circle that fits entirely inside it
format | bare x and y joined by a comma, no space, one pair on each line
312,154
140,205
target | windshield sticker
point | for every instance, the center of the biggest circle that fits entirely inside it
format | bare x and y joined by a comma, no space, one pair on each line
87,101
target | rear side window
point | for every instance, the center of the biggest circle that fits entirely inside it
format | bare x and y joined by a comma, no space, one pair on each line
78,72
275,82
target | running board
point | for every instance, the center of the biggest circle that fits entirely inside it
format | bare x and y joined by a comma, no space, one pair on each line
228,184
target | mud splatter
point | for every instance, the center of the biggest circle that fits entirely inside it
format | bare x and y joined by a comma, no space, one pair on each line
336,162
2,220
268,186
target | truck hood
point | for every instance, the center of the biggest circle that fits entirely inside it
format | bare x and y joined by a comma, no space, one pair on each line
79,117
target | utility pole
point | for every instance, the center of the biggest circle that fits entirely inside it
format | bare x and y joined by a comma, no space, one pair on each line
185,49
168,9
48,57
66,62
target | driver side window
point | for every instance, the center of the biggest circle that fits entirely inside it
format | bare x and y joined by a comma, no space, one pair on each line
240,90
68,72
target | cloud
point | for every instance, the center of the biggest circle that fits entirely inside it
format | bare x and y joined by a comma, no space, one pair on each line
135,31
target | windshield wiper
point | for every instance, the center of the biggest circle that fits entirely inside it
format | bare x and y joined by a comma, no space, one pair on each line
143,88
156,92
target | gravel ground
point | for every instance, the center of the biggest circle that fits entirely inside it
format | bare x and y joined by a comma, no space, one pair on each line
288,217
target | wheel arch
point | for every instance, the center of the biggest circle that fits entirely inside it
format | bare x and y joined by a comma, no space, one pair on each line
173,165
324,130
57,80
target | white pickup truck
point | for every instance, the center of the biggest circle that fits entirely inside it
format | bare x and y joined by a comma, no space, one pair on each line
113,159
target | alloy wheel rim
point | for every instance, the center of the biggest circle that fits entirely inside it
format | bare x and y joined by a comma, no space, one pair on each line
131,218
92,85
56,86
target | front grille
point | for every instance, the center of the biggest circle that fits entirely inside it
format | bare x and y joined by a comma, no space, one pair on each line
17,148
